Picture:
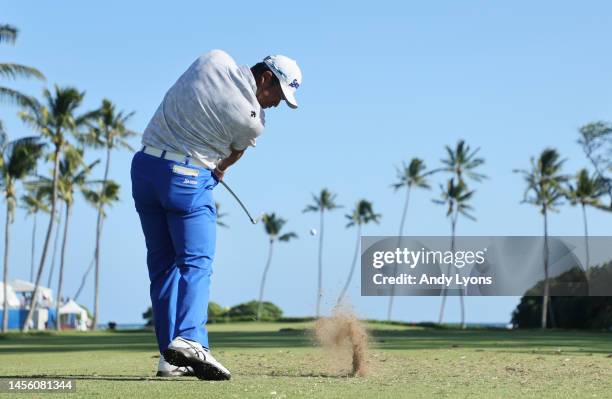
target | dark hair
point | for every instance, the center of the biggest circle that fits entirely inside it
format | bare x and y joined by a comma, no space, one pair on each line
259,69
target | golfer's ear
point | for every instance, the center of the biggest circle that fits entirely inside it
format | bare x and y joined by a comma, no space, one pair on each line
268,76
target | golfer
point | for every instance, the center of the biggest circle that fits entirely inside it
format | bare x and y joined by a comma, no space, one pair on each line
204,124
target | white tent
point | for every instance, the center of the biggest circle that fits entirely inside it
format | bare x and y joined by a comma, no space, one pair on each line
71,307
13,301
45,295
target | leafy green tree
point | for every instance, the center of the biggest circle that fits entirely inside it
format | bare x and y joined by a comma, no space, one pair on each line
575,308
361,215
34,201
596,142
104,196
586,191
55,121
324,202
455,196
412,175
215,311
273,226
107,130
545,191
18,158
8,34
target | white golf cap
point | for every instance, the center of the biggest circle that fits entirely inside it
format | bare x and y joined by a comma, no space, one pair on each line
289,75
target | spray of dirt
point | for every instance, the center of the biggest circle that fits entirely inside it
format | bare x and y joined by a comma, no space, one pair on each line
344,336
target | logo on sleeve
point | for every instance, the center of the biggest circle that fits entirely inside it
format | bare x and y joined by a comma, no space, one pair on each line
253,114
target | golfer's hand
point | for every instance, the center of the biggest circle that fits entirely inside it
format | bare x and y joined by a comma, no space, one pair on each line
219,173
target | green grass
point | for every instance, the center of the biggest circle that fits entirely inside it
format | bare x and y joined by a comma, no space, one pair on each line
268,363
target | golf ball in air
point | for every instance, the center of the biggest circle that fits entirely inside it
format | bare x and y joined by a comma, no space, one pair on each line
313,232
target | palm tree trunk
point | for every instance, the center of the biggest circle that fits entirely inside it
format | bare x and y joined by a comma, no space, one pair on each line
586,237
33,250
97,270
448,269
5,305
98,235
41,266
461,298
546,283
263,281
61,270
84,278
399,244
55,243
320,279
350,276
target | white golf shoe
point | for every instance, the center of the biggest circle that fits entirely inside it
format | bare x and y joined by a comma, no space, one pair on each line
165,369
186,353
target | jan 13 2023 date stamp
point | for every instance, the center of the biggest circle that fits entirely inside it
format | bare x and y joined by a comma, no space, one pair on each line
16,385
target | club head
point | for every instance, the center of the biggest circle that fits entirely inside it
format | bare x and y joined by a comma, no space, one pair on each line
257,219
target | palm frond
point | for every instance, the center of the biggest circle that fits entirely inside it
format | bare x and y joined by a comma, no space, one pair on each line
310,208
10,96
287,236
23,155
14,71
8,33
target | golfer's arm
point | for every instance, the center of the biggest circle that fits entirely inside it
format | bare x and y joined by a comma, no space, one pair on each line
230,160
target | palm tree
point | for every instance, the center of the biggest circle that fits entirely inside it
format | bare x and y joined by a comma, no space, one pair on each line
54,121
107,131
408,176
544,190
362,214
587,191
17,159
455,196
34,201
272,225
100,199
9,34
461,162
73,174
324,202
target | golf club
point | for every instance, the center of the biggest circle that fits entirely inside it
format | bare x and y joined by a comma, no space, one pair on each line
254,221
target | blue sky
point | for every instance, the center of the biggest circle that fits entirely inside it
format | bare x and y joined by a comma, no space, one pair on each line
382,83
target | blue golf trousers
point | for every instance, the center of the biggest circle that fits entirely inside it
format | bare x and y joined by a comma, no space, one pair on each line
178,216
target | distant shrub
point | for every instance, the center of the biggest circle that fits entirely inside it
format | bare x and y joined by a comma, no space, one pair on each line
216,312
243,312
148,316
248,311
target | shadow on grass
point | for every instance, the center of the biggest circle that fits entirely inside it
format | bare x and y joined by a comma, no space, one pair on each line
144,341
111,377
98,377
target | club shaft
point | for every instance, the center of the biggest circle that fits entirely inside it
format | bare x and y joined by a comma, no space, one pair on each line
238,199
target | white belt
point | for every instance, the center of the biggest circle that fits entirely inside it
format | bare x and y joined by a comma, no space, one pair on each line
172,156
